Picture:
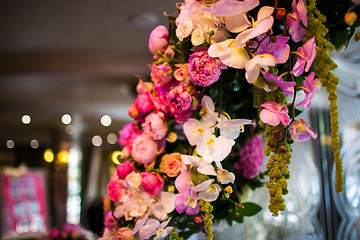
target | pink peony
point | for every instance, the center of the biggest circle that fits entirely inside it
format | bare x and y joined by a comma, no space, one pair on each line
161,74
158,39
203,69
124,169
180,98
154,125
128,134
109,220
114,189
144,102
152,183
250,158
144,149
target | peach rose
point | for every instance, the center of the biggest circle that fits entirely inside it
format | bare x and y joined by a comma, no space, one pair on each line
171,164
124,233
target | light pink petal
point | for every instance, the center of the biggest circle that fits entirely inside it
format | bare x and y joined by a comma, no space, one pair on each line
284,118
202,186
269,117
264,13
302,12
237,23
271,106
230,7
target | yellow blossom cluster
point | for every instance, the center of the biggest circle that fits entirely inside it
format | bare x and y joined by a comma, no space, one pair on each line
207,208
323,66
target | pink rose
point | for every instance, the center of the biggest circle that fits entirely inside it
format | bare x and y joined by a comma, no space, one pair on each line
171,164
133,112
154,125
144,149
109,221
124,169
158,39
152,183
124,233
144,102
181,73
160,74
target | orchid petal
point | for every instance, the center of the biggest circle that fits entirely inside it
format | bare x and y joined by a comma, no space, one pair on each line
149,229
202,186
232,128
206,168
268,117
230,7
237,23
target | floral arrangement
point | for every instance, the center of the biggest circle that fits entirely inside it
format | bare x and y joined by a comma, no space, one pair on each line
225,74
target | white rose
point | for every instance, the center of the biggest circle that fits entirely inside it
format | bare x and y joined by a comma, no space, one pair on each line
133,179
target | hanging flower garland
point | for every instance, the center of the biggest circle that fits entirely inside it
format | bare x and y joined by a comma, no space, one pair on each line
224,73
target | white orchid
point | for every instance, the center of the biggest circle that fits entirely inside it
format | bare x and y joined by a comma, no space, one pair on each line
162,204
208,191
229,54
225,177
254,65
202,166
264,22
154,227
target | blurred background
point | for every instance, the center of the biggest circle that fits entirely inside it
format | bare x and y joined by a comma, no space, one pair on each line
68,71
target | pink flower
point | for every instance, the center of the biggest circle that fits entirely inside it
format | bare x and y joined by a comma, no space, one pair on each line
274,113
143,87
158,39
144,102
154,125
180,98
160,74
171,164
186,200
250,158
109,221
144,149
152,183
279,49
300,131
181,73
293,20
287,87
133,112
310,87
124,169
305,56
128,134
124,233
115,189
203,69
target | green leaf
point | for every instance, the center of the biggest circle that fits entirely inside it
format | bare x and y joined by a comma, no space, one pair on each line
197,177
250,209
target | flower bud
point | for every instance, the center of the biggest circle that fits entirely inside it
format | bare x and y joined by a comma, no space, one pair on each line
280,13
350,18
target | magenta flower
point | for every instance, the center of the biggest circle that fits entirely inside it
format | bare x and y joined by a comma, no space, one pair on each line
300,131
109,220
144,102
180,98
203,69
158,39
274,113
152,183
124,169
279,49
305,56
160,74
128,134
154,125
293,20
287,87
250,158
310,87
114,189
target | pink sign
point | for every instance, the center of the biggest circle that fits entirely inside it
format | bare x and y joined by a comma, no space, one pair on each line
24,209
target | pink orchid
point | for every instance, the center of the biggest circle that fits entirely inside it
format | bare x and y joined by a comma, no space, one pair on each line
305,56
293,20
264,22
274,113
310,87
279,49
287,87
300,131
